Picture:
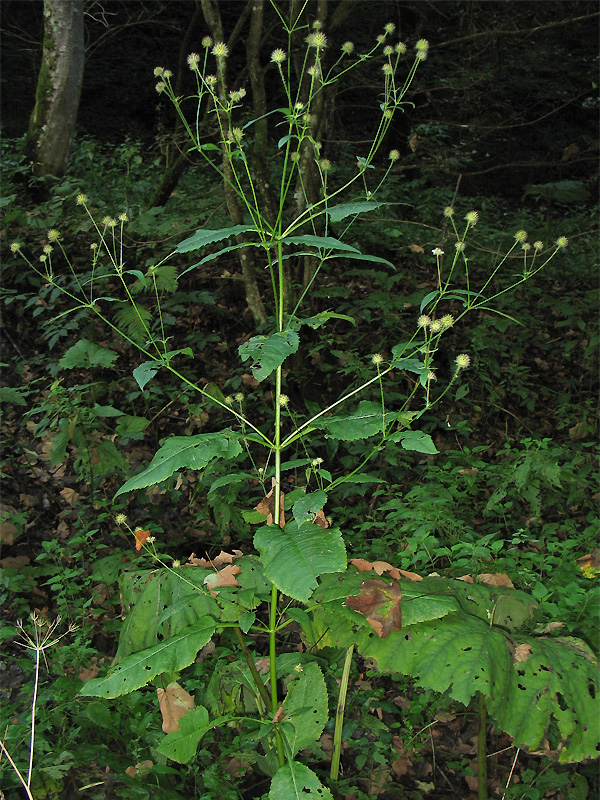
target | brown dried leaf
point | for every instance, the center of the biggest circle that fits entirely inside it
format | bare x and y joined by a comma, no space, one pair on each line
140,769
374,596
70,496
522,652
267,506
382,566
495,579
174,703
224,577
320,519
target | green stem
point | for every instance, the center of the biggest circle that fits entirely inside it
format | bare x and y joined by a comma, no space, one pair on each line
339,716
482,793
252,667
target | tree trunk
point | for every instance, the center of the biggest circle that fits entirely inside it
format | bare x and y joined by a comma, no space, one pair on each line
52,122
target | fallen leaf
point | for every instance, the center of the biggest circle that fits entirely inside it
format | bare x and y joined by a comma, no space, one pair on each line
140,769
174,703
320,519
416,248
522,652
14,561
224,577
495,579
267,506
70,496
382,566
140,538
374,597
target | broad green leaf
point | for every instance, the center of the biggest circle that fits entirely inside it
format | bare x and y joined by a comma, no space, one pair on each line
553,680
10,395
415,440
306,708
131,426
321,242
320,319
86,354
184,452
308,505
160,604
145,372
363,257
295,556
408,364
106,411
268,352
336,213
294,781
136,670
202,238
181,745
366,421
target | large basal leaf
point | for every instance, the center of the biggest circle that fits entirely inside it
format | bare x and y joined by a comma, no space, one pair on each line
552,680
184,452
160,604
294,781
136,670
202,238
295,556
306,709
268,352
181,745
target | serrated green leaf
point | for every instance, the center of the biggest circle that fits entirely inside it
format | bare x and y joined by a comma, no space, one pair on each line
145,372
343,210
294,781
321,242
181,745
85,354
106,411
295,556
306,708
184,452
305,508
136,670
268,352
416,441
202,238
555,680
366,421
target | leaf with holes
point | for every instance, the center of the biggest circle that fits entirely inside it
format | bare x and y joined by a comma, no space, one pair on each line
136,670
306,709
294,781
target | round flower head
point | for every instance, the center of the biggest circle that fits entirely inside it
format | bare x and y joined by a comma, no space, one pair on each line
462,361
160,87
278,56
431,375
317,40
388,113
381,38
394,155
239,397
210,80
206,42
348,48
15,247
460,246
387,69
167,74
193,60
53,235
447,320
229,400
121,519
377,359
449,211
436,326
388,50
422,48
325,164
316,462
317,25
538,245
389,27
423,321
472,218
236,135
437,252
283,400
400,48
521,236
123,217
237,95
47,249
158,71
562,242
81,199
220,50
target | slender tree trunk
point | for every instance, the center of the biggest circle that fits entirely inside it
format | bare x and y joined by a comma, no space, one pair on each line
52,122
